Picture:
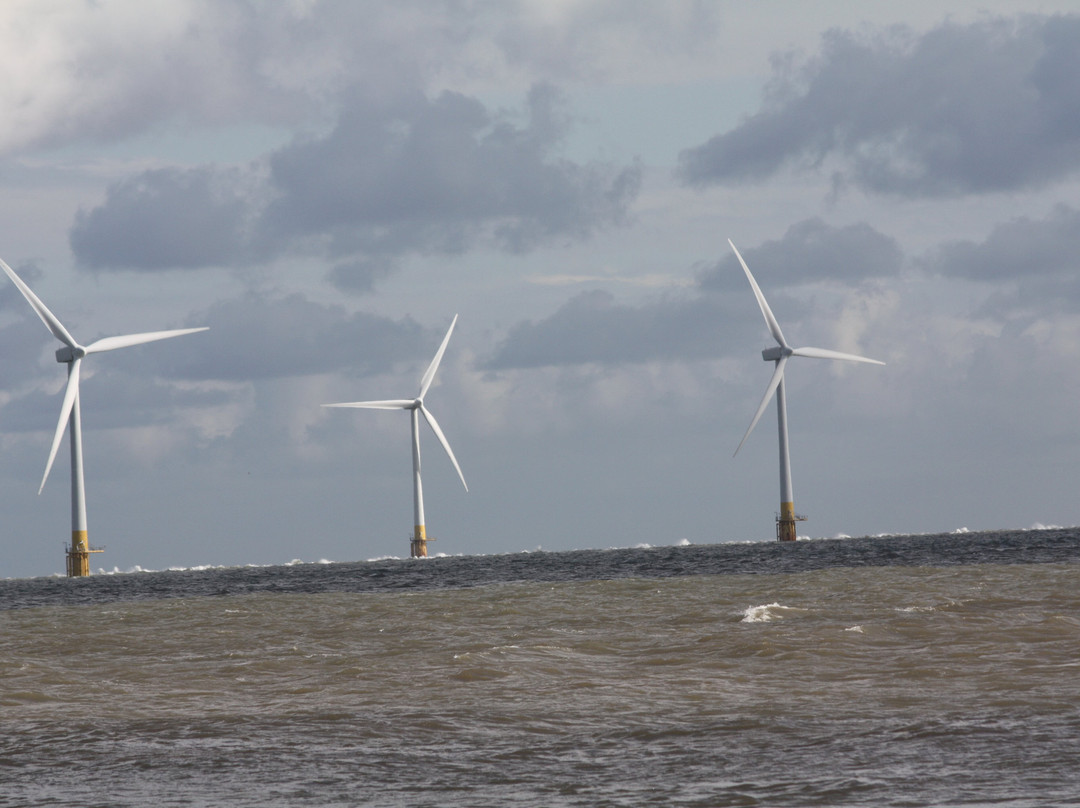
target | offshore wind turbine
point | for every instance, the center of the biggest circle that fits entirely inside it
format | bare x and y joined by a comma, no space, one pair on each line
785,521
72,354
418,543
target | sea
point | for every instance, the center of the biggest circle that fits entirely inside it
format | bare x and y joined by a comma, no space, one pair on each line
933,670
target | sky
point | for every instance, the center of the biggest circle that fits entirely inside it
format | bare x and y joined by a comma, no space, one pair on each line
326,183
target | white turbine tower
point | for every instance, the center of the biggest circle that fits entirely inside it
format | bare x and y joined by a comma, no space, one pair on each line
72,354
418,544
785,522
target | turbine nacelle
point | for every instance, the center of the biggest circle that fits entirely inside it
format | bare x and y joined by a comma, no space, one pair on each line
775,354
69,353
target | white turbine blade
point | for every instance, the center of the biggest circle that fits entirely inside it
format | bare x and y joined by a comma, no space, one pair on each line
429,374
774,382
824,353
770,320
47,317
112,343
71,392
442,439
393,404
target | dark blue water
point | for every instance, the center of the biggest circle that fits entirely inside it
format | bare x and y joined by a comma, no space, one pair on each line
761,558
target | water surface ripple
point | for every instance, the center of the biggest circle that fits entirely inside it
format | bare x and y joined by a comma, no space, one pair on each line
890,671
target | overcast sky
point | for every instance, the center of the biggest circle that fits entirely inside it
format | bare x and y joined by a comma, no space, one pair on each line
326,183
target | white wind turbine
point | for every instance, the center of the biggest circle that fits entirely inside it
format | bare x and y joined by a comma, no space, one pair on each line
72,354
418,544
785,522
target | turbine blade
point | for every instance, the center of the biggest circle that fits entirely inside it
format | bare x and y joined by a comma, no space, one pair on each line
770,320
824,353
112,343
394,404
442,439
774,382
55,326
429,374
71,392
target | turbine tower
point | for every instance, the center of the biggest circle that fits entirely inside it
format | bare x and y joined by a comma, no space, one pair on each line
72,354
785,521
418,543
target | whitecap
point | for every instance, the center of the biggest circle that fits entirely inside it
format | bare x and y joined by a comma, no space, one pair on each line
1041,526
766,613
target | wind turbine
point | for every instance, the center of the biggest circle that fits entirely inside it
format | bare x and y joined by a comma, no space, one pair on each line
72,354
418,544
785,522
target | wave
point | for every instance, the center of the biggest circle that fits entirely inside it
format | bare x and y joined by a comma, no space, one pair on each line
768,613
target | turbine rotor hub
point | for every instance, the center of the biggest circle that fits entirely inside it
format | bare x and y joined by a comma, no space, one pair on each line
68,354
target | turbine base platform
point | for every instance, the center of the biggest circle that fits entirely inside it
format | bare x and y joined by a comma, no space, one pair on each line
785,527
78,561
418,545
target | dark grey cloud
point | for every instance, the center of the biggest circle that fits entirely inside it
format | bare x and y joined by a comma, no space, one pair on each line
164,219
1020,249
408,175
592,327
361,276
256,337
991,106
110,398
809,251
1032,266
431,174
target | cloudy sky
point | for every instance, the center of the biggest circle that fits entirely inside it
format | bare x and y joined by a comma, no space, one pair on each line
326,183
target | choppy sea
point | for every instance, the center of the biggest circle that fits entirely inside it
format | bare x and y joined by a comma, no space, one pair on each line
887,671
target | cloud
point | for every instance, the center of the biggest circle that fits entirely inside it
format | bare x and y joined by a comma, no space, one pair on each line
164,219
361,276
112,398
408,175
810,251
103,71
1020,249
258,337
74,72
630,38
991,106
1029,265
701,323
432,174
592,327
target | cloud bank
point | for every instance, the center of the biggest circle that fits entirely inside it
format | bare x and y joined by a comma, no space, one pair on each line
962,109
413,175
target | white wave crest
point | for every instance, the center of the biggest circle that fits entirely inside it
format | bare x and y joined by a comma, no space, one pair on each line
767,613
